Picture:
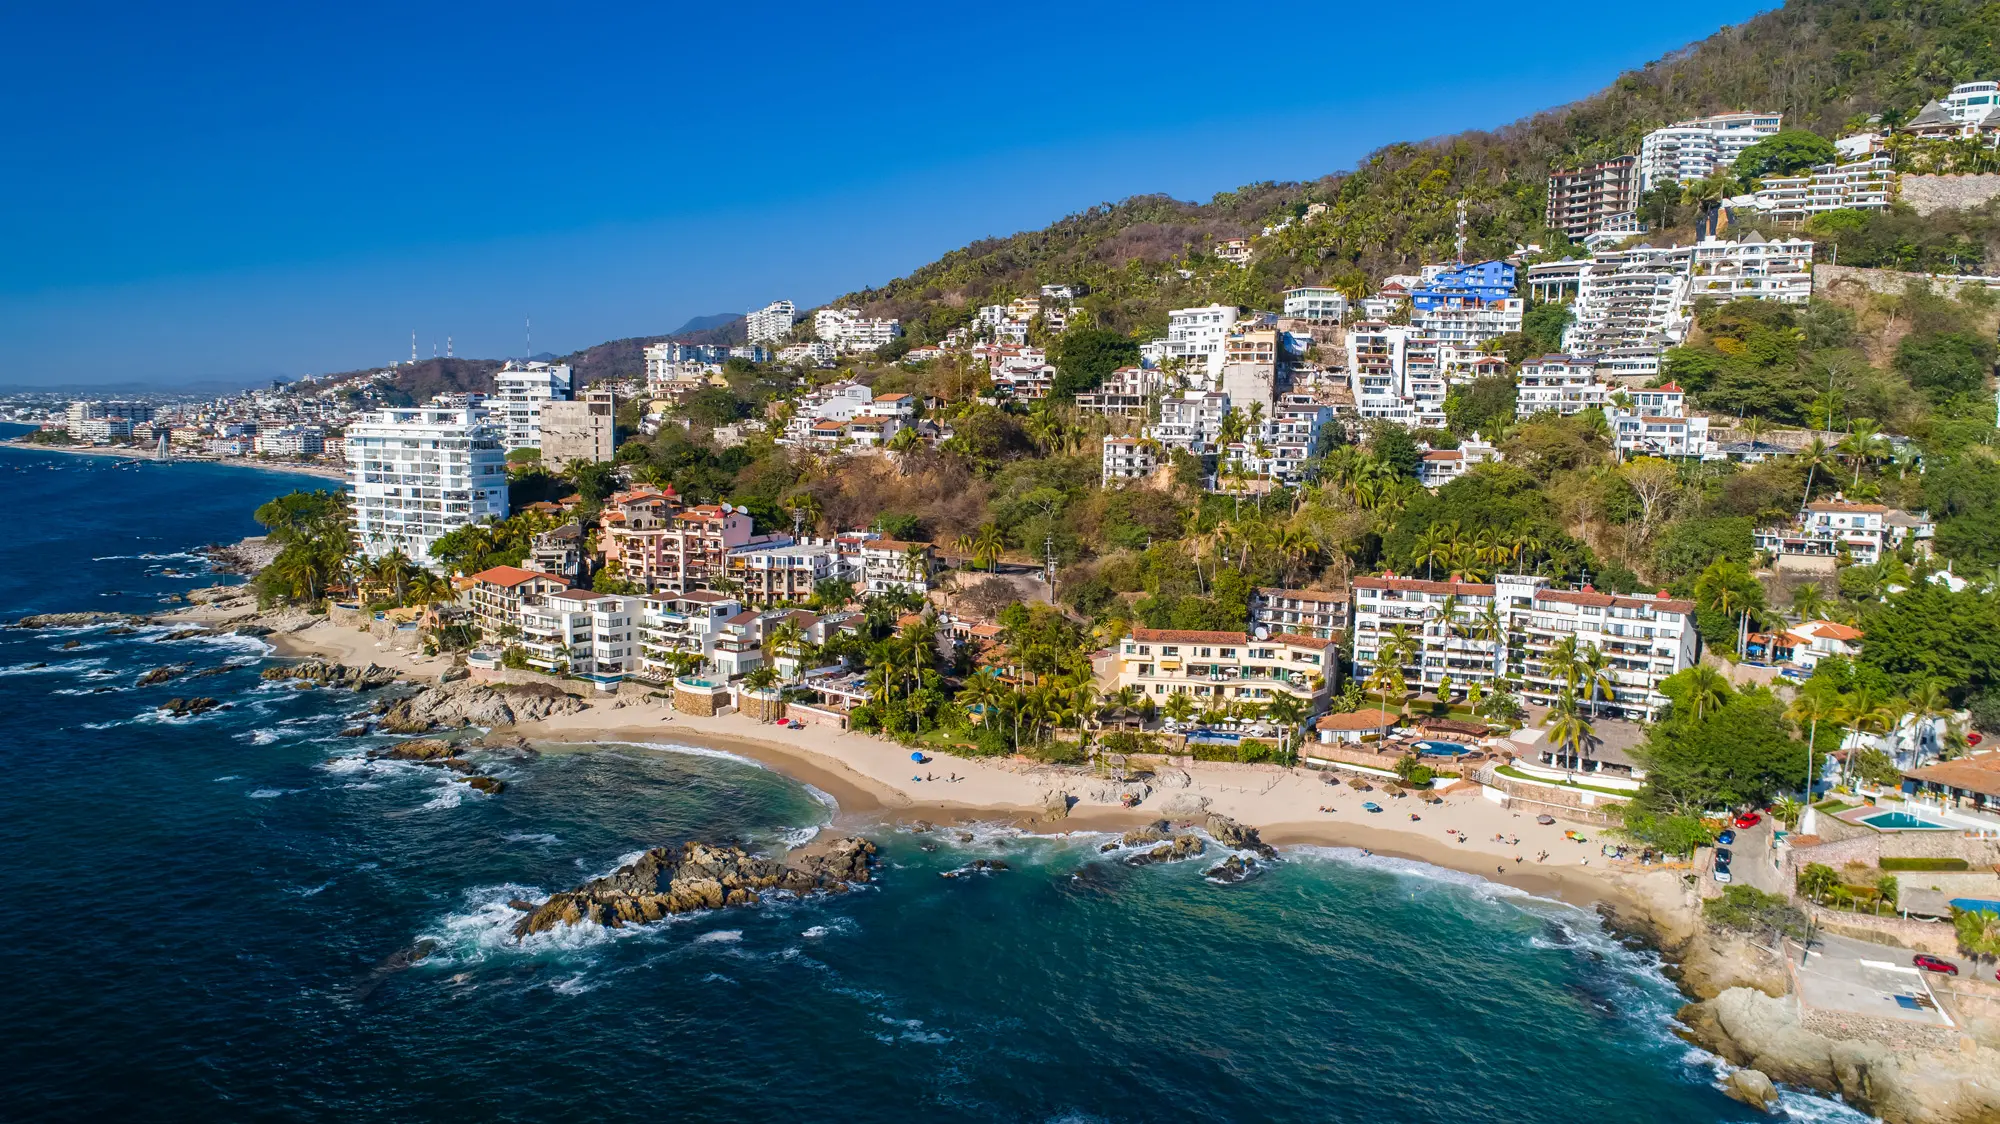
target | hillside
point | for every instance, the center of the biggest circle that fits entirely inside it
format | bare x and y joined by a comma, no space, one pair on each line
1824,63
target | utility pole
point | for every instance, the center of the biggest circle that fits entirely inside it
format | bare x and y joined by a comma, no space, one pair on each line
1049,565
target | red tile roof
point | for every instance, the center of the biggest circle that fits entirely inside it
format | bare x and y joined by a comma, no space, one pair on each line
511,576
1417,585
1182,636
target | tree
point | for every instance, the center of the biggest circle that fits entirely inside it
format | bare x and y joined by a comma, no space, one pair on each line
987,545
1817,880
1653,482
1723,593
1929,634
1084,356
1945,363
1740,754
1808,603
1785,153
1392,447
594,480
1179,706
1568,729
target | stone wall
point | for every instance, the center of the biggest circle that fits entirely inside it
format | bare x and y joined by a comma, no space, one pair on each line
1934,937
1869,849
1926,194
699,701
1889,282
764,706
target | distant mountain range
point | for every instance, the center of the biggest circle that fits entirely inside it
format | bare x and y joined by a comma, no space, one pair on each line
704,323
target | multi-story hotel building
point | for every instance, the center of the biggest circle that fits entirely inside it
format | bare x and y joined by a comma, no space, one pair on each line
661,547
583,430
520,390
500,597
1582,200
1862,531
771,323
1562,383
1655,424
417,473
1299,612
588,634
1129,458
1225,667
681,625
1506,630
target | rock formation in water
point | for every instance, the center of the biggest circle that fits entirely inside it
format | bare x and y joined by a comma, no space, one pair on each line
664,881
74,620
182,708
1180,847
1238,837
328,674
466,703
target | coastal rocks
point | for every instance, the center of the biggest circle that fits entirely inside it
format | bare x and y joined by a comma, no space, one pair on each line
840,860
467,703
70,645
976,866
698,876
1173,779
185,708
1238,837
491,786
252,630
355,732
1905,1086
1232,870
1752,1088
327,674
1184,804
1180,847
1115,792
180,634
1055,804
216,594
453,675
73,620
160,675
246,557
440,754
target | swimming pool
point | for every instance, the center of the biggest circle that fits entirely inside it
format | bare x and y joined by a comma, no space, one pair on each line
1900,821
1443,749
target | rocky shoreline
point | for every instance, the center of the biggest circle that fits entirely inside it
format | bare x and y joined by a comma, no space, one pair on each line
698,876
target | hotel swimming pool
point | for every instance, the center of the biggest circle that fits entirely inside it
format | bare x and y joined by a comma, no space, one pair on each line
1901,821
1443,749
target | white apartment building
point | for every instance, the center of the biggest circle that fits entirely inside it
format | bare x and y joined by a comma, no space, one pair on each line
1636,298
885,565
771,323
1376,371
1123,393
1861,531
849,331
296,440
813,353
1192,420
1227,667
591,635
1129,458
1199,339
1861,185
584,429
416,473
519,392
1565,384
1316,304
680,625
1655,424
1439,467
1486,633
1753,268
1972,102
1320,614
1691,150
1463,329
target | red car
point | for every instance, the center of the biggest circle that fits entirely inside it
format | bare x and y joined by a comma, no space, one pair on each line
1933,964
1749,819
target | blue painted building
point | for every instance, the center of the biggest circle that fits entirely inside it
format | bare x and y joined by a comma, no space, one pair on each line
1466,284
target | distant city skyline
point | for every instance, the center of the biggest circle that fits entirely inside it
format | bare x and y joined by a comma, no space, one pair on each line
266,193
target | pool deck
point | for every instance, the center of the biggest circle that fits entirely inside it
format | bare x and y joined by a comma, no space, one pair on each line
1860,817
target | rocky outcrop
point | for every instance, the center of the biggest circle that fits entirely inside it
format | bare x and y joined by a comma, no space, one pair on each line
1238,837
1055,804
1184,804
441,754
1905,1086
1752,1088
491,786
1140,836
976,866
1115,792
75,620
1233,869
467,703
180,634
160,675
664,881
328,674
1180,847
183,708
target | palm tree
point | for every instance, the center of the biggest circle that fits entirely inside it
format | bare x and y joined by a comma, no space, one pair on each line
1808,603
1707,690
788,640
429,589
1594,675
806,509
1568,729
1563,663
1809,706
1863,444
1815,456
1865,710
917,563
1927,705
988,545
1179,706
1431,547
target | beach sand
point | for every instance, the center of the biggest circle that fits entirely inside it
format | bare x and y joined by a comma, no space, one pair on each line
874,781
325,472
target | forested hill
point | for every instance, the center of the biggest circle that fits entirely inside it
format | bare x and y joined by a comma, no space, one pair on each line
1823,63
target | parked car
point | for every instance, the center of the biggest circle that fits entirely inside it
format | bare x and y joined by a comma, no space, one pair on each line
1726,838
1722,871
1749,819
1933,964
1723,857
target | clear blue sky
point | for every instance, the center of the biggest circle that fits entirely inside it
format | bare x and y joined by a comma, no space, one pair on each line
237,190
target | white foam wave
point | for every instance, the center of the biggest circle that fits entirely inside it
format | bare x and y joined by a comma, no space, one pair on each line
178,555
230,777
485,929
799,836
823,797
528,837
259,737
43,667
719,936
694,751
449,795
815,932
1412,868
271,793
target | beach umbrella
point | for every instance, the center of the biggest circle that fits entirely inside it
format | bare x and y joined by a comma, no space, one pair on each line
917,757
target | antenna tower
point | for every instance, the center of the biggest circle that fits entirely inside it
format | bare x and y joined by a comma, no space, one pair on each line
1460,240
413,345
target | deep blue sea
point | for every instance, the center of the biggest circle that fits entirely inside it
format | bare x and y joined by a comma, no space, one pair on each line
201,920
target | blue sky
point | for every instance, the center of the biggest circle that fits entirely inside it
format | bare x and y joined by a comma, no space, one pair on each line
220,191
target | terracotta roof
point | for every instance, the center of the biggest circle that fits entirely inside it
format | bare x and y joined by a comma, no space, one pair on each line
1416,585
1979,773
1370,719
1832,630
580,594
1181,636
1842,505
1313,642
511,576
1444,455
1619,600
703,596
1302,594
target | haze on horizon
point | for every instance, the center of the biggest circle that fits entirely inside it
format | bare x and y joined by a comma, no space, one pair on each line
245,192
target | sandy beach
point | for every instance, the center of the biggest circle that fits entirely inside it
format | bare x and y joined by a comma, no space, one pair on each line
321,471
873,781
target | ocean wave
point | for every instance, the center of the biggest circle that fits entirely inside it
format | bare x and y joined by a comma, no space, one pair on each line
695,751
43,667
178,555
230,777
531,837
485,929
799,836
450,795
823,796
259,737
1413,868
272,793
719,935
